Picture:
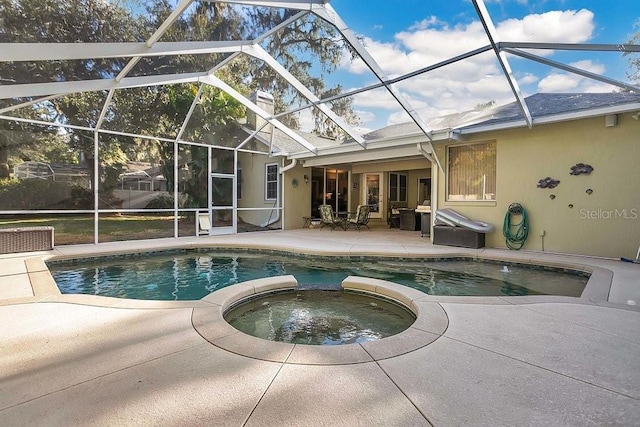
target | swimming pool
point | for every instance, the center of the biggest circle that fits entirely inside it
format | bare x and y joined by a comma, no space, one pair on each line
193,274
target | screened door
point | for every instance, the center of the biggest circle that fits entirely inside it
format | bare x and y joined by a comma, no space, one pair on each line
222,193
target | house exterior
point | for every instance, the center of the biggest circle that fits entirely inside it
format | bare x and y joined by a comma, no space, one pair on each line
595,213
260,172
476,162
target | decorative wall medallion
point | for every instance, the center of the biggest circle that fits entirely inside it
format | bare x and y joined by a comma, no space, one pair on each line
581,169
548,182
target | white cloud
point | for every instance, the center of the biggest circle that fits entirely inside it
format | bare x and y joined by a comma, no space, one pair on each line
436,44
426,23
383,53
365,116
378,98
569,82
568,26
589,65
476,80
306,121
592,86
398,117
559,82
527,79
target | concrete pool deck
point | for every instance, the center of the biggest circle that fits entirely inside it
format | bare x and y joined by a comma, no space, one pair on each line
83,360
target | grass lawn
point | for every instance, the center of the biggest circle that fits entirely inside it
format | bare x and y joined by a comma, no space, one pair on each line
76,229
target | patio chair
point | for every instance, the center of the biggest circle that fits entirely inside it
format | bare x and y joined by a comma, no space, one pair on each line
327,218
360,218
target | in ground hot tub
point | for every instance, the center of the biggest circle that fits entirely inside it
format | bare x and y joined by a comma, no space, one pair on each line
427,322
319,317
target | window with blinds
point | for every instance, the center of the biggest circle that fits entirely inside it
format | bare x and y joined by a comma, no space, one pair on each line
472,172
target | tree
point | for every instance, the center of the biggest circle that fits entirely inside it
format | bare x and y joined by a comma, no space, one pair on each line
160,110
49,21
307,46
294,47
485,105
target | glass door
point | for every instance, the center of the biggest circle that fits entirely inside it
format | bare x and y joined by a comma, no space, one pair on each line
330,187
373,194
424,191
318,192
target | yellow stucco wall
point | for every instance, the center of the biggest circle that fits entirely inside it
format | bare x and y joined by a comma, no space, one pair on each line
253,178
605,223
297,199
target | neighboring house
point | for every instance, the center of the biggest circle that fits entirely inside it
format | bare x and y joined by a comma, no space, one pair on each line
491,158
142,176
73,174
140,183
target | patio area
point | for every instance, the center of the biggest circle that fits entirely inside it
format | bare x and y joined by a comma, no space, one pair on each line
85,360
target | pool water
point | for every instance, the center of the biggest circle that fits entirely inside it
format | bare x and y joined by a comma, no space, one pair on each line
319,317
193,275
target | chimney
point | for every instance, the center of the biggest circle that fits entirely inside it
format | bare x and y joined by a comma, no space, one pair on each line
265,101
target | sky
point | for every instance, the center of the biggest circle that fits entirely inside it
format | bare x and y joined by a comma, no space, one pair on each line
407,35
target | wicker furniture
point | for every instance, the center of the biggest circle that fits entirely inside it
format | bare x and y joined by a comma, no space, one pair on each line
409,220
457,236
26,239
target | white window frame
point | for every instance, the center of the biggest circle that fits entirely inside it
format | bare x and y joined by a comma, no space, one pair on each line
267,181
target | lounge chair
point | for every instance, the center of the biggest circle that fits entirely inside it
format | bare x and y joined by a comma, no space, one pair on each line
327,218
359,219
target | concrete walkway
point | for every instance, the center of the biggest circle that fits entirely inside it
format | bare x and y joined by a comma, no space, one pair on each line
83,360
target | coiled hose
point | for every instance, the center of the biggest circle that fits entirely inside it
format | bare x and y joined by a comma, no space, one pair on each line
515,234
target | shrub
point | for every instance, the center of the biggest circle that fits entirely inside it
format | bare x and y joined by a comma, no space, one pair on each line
81,198
160,202
32,194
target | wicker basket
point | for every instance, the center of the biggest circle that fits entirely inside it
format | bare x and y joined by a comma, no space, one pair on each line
26,239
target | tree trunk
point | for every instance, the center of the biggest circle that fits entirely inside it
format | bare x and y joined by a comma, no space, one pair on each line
4,162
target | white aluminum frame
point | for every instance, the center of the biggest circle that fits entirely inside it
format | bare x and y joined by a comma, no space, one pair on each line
363,150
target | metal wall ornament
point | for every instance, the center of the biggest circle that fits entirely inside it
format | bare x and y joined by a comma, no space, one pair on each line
581,169
548,182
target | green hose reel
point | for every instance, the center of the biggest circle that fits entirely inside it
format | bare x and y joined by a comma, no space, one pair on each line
515,233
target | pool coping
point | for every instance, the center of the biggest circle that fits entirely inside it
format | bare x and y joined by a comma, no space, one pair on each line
430,324
208,321
44,288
